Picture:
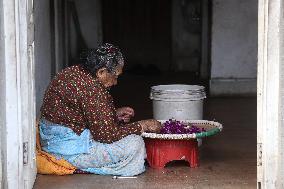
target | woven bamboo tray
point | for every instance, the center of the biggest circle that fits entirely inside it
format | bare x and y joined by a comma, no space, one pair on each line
211,128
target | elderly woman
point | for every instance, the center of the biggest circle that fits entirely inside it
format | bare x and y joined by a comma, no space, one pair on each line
80,124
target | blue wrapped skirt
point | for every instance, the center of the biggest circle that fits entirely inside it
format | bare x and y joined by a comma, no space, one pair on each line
125,157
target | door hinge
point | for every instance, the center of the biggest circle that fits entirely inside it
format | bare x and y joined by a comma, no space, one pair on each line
259,154
25,153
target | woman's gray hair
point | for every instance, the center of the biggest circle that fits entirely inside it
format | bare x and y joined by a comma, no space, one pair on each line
105,56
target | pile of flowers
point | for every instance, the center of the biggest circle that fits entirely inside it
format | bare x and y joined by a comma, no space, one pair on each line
173,126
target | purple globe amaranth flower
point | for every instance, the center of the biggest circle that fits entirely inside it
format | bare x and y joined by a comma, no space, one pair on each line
173,126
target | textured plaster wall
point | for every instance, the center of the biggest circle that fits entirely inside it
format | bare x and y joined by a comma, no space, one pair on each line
42,49
90,22
234,45
89,12
186,35
89,15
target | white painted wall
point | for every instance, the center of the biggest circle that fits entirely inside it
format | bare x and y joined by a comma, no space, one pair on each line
234,47
42,49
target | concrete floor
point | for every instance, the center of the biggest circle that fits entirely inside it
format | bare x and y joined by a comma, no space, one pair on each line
227,160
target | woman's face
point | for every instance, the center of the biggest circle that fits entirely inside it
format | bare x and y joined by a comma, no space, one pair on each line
109,79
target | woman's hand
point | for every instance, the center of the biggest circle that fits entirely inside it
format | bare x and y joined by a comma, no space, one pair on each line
125,114
150,125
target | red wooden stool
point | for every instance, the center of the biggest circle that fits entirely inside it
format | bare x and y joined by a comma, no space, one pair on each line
160,152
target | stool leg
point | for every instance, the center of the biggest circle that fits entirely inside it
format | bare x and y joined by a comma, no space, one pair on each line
154,159
194,158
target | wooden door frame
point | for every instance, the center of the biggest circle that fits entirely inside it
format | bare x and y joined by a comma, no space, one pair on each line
270,95
18,98
269,104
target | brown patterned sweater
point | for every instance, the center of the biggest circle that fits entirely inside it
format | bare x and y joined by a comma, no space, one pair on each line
76,100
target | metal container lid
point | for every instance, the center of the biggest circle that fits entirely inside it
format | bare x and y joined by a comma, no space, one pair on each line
177,92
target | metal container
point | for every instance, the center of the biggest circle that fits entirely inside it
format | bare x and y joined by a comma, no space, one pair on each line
180,102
